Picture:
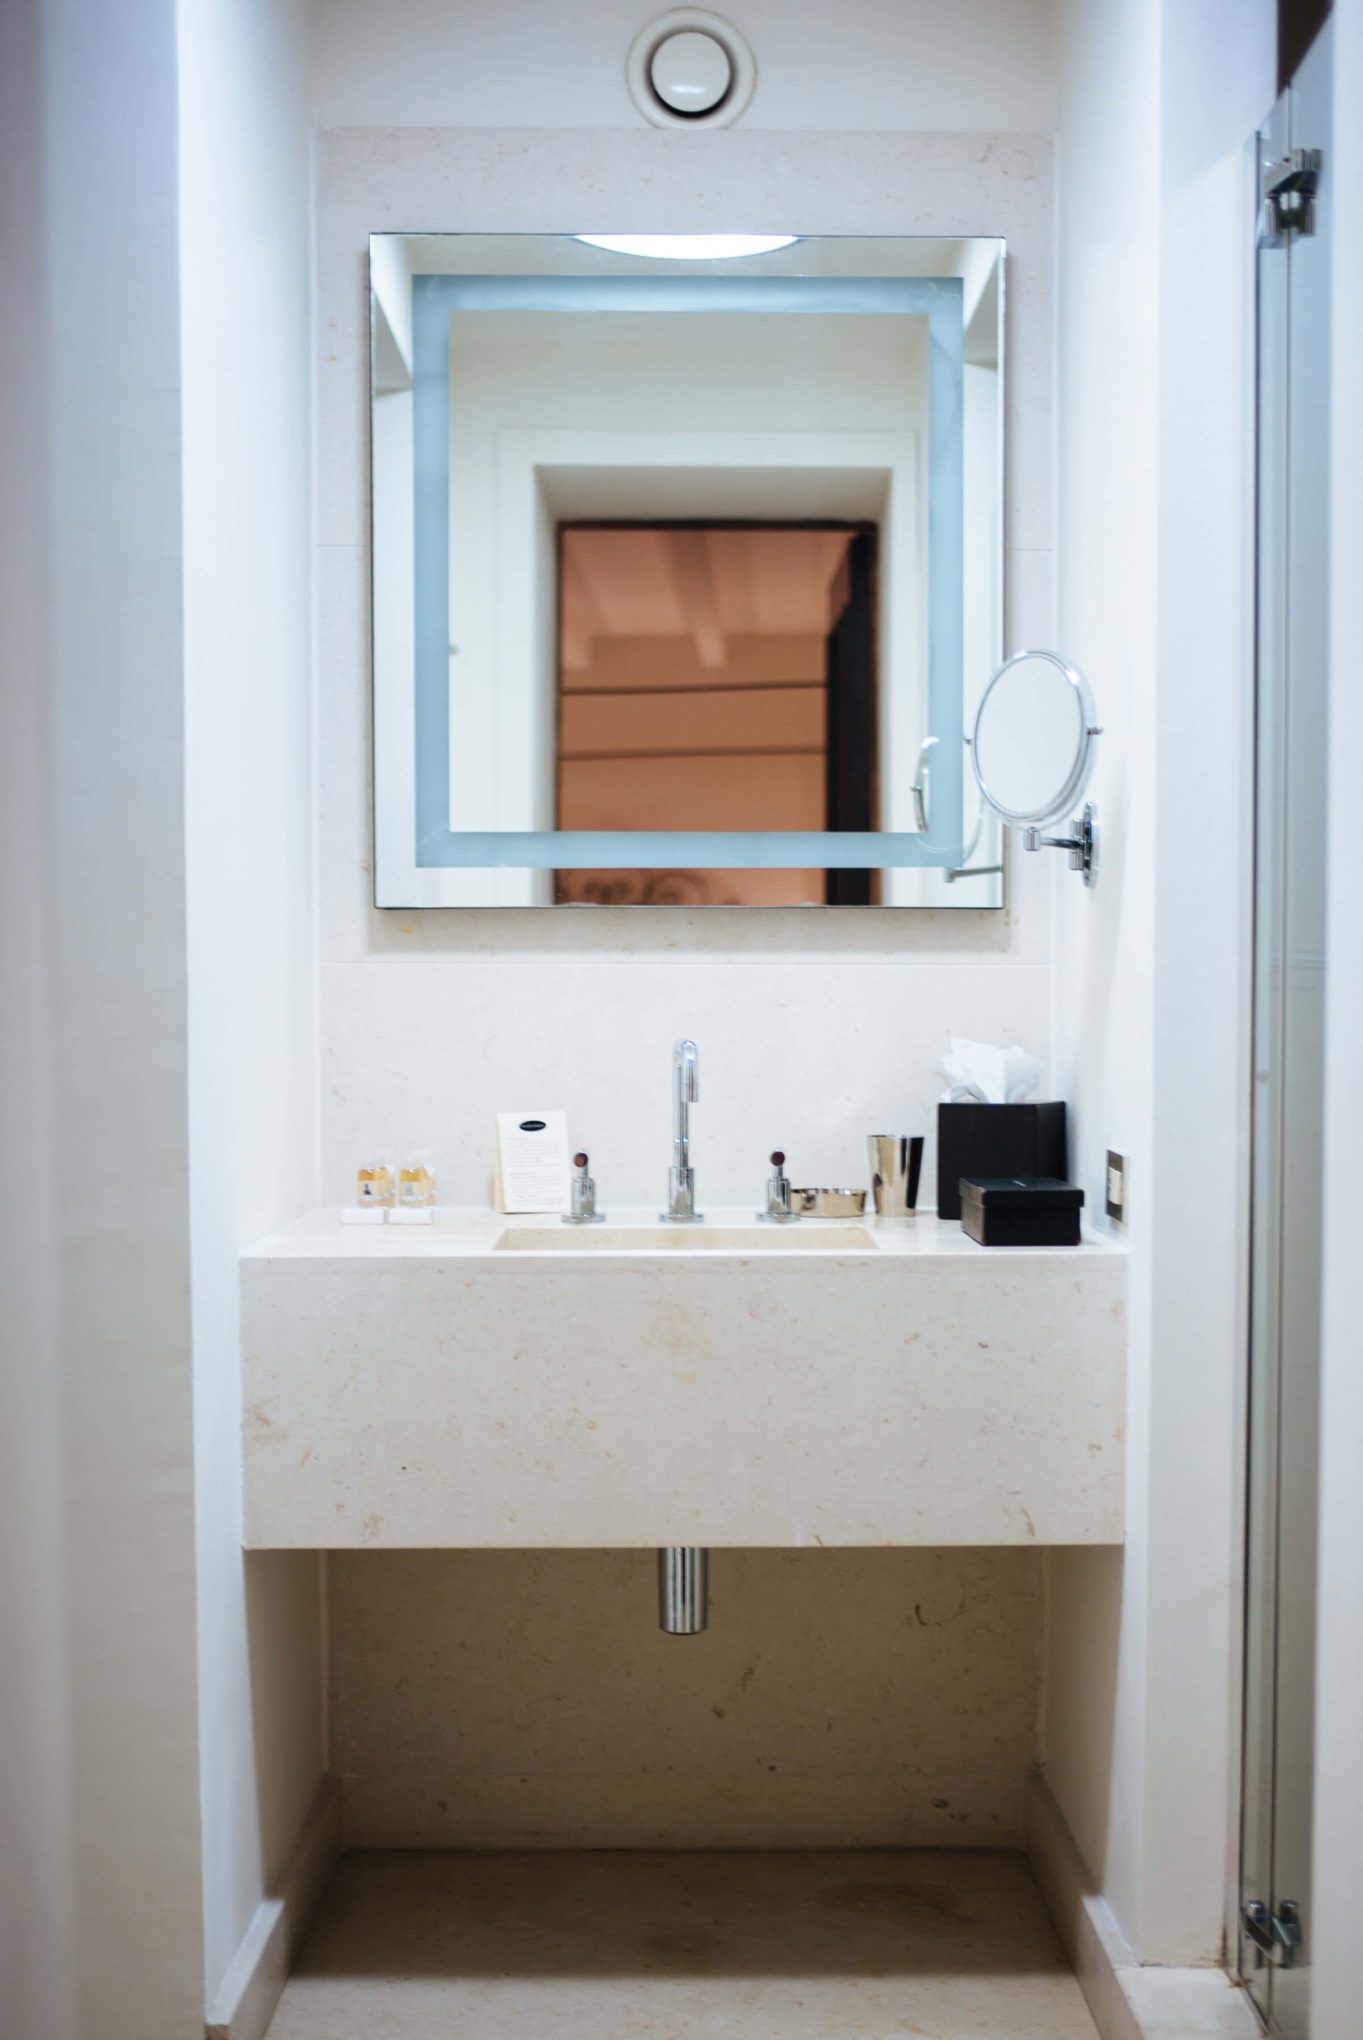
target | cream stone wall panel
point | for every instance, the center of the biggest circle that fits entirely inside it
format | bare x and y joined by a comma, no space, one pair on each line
867,65
528,1699
395,180
794,1053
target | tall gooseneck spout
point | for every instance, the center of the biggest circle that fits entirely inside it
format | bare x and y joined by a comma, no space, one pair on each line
681,1177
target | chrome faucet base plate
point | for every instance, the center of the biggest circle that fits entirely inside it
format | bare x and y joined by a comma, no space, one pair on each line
582,1218
681,1217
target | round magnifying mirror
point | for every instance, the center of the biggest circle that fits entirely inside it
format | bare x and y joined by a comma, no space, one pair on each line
1032,747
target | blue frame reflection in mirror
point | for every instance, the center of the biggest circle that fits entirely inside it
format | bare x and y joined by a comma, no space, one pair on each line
489,731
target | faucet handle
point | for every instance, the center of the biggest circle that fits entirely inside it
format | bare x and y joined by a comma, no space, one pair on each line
582,1195
778,1210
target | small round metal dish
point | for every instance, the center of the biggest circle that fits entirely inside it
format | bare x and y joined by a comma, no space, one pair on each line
828,1203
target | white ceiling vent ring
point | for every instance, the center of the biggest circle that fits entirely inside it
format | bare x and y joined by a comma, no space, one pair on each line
690,69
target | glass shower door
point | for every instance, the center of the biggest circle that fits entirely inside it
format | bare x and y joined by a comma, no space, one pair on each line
1289,974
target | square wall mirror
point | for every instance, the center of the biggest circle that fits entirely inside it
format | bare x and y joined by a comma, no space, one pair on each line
687,569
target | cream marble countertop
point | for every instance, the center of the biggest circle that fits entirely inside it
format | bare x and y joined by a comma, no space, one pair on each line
457,1233
895,1384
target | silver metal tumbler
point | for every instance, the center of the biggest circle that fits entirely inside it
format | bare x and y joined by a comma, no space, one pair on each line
896,1161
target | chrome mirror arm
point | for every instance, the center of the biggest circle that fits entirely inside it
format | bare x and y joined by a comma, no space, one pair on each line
1082,845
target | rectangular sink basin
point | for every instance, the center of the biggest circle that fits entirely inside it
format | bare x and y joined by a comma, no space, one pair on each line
686,1239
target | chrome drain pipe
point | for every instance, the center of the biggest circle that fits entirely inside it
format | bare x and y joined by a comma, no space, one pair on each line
683,1590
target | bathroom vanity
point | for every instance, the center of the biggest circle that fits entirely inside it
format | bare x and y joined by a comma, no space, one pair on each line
491,1381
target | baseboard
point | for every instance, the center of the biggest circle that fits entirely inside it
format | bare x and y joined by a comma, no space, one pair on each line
246,2002
1126,2000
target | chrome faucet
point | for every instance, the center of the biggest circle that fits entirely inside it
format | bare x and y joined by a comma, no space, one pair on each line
681,1177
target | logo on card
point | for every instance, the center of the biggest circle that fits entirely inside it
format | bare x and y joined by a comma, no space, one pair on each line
532,1126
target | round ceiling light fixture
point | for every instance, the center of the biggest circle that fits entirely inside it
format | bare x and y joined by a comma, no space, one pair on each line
690,68
690,72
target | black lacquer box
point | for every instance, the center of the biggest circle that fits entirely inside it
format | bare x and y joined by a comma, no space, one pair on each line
1015,1211
993,1141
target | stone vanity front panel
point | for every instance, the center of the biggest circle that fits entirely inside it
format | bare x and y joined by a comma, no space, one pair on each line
410,1389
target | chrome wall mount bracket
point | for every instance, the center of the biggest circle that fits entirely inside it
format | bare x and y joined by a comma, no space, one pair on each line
1082,845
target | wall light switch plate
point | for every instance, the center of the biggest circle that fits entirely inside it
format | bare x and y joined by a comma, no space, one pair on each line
1116,1186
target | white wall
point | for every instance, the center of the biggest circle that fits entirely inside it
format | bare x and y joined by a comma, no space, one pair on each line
1151,984
1217,82
37,1895
1338,1869
898,66
245,277
99,1899
1106,429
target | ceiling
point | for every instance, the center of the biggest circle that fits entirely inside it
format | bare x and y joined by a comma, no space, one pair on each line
714,588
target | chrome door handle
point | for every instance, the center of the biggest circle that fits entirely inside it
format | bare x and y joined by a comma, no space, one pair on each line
1277,1935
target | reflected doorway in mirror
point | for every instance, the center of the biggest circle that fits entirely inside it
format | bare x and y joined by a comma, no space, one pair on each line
717,676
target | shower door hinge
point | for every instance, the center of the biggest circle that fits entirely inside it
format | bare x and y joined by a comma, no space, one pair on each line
1289,193
1276,1935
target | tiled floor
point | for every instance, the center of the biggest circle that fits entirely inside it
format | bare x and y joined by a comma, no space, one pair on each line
802,1945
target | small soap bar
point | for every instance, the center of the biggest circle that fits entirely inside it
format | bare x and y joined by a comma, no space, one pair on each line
412,1214
1021,1211
532,1161
364,1214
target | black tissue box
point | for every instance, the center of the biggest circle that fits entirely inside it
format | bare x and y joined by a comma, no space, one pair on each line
993,1141
1017,1212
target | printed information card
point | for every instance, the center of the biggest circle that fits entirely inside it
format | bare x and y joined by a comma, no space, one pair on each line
532,1161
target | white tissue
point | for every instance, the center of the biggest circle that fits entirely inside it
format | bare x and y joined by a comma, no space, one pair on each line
978,1072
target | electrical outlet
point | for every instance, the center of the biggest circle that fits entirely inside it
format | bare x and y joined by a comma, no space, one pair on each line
1116,1187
